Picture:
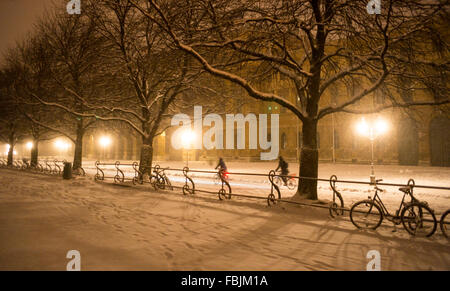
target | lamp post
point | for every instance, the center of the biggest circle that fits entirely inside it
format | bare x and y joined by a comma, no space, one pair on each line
186,138
104,141
372,130
334,139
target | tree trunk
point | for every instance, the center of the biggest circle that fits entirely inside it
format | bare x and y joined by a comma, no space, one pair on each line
11,150
78,156
10,156
34,153
309,161
145,163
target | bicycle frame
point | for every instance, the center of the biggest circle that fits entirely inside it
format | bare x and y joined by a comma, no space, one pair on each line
288,176
376,199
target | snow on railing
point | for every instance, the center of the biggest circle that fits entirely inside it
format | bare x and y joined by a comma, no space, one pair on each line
46,166
159,180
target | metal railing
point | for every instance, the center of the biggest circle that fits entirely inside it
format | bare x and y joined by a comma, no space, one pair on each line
160,180
50,167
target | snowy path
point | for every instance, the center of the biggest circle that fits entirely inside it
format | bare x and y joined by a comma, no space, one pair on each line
113,227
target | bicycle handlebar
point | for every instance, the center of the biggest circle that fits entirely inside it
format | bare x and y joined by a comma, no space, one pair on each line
379,189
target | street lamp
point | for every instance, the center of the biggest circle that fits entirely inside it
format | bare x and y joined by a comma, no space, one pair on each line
29,145
62,146
372,130
186,138
7,150
104,141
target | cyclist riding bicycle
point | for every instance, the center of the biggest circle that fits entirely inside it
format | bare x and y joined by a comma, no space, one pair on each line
284,166
222,168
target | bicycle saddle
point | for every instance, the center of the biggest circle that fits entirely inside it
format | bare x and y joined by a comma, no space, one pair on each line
405,189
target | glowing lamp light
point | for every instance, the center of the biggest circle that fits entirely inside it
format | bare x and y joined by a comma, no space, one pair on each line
187,137
29,145
7,150
105,141
61,145
362,127
381,126
372,130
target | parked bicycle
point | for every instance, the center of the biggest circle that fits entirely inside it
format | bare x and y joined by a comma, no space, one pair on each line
160,179
291,181
417,218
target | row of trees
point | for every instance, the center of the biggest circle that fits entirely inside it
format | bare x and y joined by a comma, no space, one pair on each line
108,64
135,61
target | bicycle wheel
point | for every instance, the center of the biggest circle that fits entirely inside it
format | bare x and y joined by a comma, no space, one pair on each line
222,194
278,181
444,224
79,172
291,184
418,219
366,214
161,183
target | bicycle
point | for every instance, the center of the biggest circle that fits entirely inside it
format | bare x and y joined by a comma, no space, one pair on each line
417,218
217,179
443,224
290,181
160,179
222,178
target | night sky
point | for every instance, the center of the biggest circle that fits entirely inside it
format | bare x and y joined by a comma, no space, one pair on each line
17,18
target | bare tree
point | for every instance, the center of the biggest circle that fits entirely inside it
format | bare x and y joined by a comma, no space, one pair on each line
12,123
313,43
32,61
152,73
71,42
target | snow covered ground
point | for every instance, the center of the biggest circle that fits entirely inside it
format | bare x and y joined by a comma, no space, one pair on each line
135,228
